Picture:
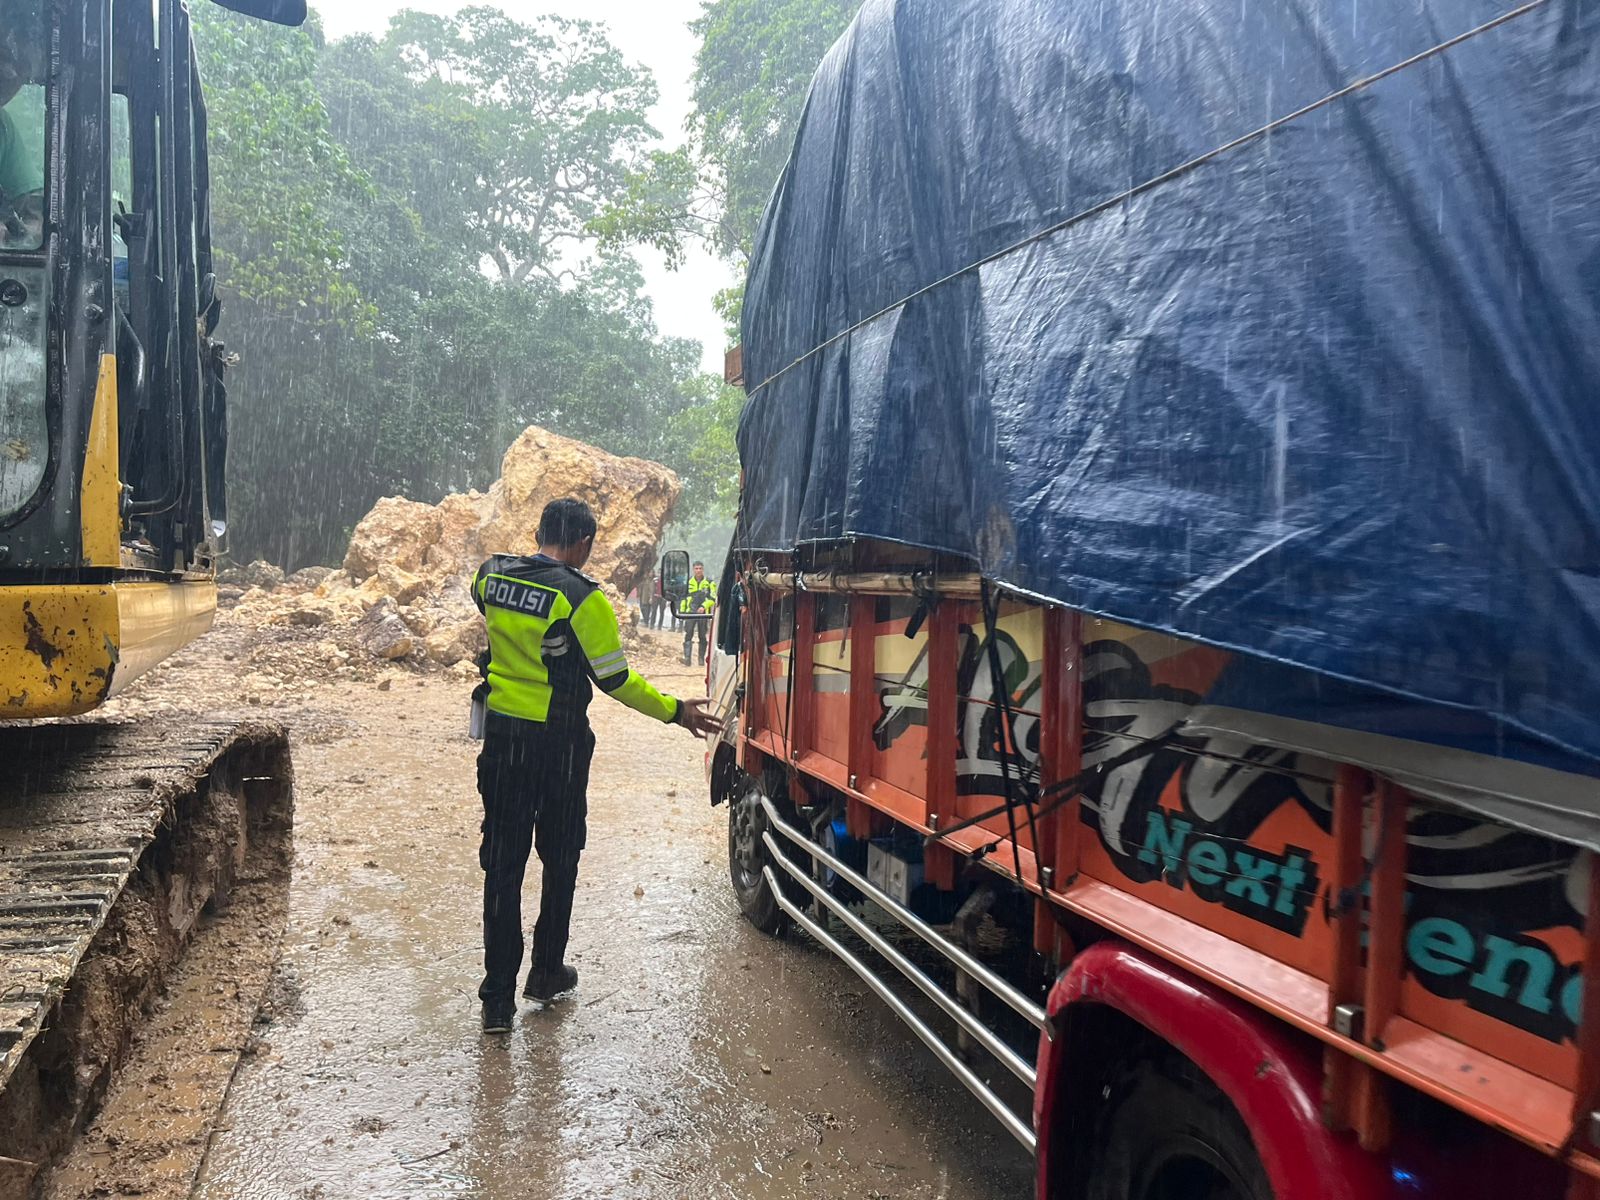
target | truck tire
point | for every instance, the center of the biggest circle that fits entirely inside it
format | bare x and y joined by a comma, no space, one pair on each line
1166,1132
748,856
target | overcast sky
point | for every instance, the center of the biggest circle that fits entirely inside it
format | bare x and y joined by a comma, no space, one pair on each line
656,34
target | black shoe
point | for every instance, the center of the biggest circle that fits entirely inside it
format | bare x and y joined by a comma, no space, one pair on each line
546,983
497,1018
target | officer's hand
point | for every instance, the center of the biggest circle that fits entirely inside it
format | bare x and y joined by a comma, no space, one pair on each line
697,717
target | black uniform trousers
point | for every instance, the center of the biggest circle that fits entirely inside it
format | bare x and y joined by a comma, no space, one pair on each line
534,785
691,631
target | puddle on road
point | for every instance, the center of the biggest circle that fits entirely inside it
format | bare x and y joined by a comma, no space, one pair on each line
698,1058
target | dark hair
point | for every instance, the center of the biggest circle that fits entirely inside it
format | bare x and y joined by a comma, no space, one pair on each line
699,563
565,523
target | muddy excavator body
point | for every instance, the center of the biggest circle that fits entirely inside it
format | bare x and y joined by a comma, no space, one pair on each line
116,841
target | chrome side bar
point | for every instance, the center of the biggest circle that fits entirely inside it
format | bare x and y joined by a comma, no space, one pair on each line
1015,1125
1023,1006
986,1037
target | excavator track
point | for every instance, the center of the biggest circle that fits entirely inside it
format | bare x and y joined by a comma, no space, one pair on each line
118,842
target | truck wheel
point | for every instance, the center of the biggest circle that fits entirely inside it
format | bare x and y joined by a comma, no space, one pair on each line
1166,1132
748,856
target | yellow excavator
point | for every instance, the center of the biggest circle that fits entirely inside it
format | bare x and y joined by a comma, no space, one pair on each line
118,841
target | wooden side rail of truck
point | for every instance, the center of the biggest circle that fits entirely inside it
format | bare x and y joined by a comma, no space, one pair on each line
1250,967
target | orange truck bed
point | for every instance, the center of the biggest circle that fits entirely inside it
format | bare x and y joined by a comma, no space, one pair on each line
1420,944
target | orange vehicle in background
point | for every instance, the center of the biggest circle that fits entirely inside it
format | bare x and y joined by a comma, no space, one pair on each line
1165,582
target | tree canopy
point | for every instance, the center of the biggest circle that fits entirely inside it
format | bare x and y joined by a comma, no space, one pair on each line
423,240
751,76
557,118
407,235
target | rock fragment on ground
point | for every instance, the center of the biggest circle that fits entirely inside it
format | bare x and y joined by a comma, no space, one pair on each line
257,574
382,634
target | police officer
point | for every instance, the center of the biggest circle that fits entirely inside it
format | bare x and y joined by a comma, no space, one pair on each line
702,599
552,635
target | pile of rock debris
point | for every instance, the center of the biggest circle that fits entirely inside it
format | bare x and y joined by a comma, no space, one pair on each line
403,592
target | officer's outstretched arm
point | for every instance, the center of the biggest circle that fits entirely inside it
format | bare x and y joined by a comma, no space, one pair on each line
595,624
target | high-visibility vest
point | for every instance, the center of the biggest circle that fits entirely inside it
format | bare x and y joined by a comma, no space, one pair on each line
552,631
702,596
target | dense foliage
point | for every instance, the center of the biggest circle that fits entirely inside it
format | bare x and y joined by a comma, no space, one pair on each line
423,240
751,77
403,235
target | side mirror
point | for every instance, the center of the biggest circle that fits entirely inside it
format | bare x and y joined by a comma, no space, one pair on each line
280,12
675,576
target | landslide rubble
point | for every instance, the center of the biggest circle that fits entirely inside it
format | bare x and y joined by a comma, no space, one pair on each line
403,593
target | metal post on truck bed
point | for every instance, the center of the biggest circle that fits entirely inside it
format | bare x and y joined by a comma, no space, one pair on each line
1586,1087
940,790
1386,915
802,691
1367,900
863,690
758,670
1345,911
1060,758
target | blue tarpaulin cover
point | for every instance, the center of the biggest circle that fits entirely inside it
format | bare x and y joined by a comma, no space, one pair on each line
1329,397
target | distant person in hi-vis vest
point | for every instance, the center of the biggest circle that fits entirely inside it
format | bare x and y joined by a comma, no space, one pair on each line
701,600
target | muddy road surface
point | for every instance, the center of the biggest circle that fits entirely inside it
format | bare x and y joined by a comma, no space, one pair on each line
697,1058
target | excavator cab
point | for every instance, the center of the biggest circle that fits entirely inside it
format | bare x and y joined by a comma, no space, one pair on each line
113,408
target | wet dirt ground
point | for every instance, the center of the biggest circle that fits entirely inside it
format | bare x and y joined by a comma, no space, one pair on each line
698,1058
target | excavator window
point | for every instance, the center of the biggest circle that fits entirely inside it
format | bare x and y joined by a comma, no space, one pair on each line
123,206
22,167
24,428
22,140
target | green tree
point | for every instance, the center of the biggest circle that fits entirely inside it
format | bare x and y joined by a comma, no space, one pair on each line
292,307
278,168
568,344
706,430
561,125
407,286
751,76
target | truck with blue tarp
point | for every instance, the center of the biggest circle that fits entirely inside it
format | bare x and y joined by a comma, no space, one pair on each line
1169,561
